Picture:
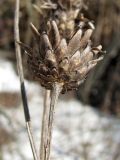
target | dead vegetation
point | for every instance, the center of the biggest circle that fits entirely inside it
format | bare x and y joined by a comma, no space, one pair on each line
56,19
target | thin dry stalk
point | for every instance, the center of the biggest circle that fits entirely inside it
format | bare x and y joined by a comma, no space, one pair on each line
48,116
44,130
21,76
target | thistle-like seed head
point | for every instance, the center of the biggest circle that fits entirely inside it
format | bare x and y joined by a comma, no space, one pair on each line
59,61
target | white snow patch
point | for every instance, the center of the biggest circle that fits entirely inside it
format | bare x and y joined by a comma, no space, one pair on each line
79,133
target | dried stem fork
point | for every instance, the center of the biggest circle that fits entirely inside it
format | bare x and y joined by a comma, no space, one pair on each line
47,125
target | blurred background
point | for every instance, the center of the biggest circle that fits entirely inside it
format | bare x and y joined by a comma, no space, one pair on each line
87,124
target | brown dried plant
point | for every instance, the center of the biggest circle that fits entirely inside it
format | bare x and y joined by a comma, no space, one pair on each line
59,63
55,61
65,13
60,66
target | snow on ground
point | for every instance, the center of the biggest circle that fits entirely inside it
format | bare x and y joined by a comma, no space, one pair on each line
80,132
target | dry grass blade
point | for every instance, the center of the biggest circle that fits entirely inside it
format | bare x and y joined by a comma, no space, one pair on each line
20,71
27,49
35,31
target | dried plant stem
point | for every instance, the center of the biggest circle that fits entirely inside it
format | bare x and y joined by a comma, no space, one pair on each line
21,76
44,129
48,115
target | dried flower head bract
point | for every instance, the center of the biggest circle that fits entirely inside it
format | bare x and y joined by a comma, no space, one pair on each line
56,60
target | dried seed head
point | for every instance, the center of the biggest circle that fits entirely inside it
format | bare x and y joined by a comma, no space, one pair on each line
60,62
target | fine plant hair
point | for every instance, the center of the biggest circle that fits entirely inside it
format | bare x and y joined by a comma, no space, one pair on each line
59,65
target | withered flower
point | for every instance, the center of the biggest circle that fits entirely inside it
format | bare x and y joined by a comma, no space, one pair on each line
56,60
59,66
